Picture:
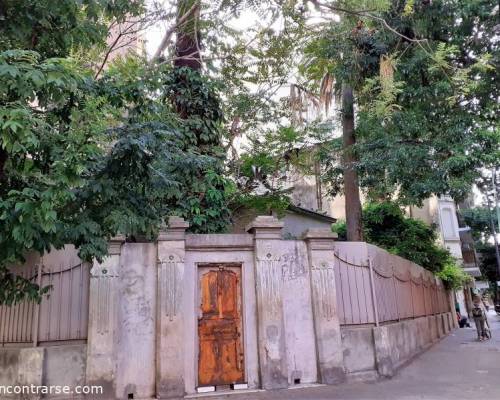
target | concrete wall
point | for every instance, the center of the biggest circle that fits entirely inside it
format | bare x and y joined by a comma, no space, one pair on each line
358,350
53,365
64,365
298,315
370,351
145,304
9,366
137,322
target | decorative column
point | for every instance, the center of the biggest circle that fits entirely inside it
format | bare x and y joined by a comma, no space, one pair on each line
268,277
103,318
170,340
320,248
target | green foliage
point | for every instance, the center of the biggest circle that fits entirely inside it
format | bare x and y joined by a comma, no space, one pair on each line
487,262
56,28
453,276
71,179
48,138
198,106
186,101
83,160
425,123
479,220
263,204
386,225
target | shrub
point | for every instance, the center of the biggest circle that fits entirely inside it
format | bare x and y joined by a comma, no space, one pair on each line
386,225
453,276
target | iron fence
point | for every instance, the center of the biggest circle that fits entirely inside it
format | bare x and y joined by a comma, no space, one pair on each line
61,315
386,288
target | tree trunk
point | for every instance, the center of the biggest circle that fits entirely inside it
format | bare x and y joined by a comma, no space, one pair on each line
187,44
351,185
3,159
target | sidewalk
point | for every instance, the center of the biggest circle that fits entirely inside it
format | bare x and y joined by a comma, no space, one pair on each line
458,367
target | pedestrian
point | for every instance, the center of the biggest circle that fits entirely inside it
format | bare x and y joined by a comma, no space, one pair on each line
479,316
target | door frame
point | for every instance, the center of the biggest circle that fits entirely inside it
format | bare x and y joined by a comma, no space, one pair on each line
209,264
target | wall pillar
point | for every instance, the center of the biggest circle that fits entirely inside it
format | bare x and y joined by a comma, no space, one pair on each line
103,320
30,369
269,292
170,340
383,351
320,247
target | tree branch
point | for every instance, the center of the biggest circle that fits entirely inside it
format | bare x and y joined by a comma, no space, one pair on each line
366,14
170,31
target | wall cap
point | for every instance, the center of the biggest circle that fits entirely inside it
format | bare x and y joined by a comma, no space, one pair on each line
266,227
175,229
320,233
115,244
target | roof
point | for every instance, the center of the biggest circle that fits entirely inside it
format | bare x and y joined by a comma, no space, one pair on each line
312,214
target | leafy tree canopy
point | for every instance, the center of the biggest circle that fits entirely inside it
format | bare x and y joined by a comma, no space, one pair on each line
479,219
386,225
427,94
82,160
57,28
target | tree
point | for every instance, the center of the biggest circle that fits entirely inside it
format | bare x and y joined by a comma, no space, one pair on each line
47,125
349,62
54,30
386,225
351,183
87,159
419,131
187,45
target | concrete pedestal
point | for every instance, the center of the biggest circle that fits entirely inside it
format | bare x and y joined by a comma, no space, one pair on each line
170,339
320,250
268,276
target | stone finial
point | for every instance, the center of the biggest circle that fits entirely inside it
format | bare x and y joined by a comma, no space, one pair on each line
266,227
177,222
176,229
115,244
320,238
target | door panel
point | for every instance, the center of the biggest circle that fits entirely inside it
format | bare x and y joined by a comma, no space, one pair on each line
219,326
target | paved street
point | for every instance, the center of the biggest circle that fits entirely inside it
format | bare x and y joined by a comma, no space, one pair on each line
458,367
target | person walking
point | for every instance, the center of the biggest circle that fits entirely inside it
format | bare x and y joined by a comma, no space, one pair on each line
479,315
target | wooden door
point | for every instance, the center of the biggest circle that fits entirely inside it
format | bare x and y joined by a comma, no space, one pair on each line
220,359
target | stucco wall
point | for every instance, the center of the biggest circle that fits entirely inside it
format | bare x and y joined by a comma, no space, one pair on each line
9,364
145,304
386,348
298,315
358,349
397,343
62,365
65,365
224,249
137,321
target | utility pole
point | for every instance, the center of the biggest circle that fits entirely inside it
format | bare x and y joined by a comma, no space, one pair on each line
495,194
497,253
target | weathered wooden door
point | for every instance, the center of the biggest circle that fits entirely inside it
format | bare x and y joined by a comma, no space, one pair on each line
220,359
